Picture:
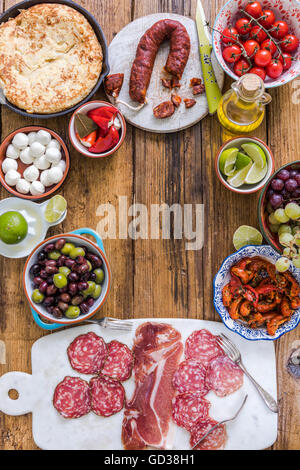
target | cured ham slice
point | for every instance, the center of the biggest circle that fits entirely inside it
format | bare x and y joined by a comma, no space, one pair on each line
72,398
147,417
224,377
202,346
188,409
190,377
216,440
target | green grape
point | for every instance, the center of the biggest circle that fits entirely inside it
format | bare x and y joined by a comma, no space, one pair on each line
286,239
292,210
287,252
296,261
274,228
282,265
295,230
297,239
272,219
284,229
281,216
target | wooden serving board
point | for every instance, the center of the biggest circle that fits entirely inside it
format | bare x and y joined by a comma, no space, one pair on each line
255,428
122,51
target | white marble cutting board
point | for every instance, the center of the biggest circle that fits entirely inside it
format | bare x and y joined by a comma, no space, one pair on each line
254,429
122,51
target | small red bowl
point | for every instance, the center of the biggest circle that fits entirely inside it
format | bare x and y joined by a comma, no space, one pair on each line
85,108
22,166
271,238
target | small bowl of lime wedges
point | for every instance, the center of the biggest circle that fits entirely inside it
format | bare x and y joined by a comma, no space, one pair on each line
244,164
24,224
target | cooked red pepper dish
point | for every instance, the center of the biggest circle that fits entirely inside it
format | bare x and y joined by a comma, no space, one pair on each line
259,295
147,50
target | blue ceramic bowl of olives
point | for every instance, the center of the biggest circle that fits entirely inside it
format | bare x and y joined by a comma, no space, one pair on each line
66,279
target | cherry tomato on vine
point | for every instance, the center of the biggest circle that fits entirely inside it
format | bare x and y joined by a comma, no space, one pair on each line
241,67
262,58
279,29
230,35
260,71
258,34
269,46
251,47
286,60
232,53
274,69
254,9
290,43
268,18
243,26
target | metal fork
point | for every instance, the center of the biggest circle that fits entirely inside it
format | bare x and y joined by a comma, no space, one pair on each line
234,354
113,323
222,422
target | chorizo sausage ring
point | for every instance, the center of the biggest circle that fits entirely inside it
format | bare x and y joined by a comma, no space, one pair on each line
180,46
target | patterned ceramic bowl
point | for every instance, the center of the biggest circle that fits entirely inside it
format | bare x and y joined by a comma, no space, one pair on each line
287,10
222,278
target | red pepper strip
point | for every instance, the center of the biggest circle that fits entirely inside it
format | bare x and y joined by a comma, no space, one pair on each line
89,140
102,123
266,289
251,295
106,143
104,111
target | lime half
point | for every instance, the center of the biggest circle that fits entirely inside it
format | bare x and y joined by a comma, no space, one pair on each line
256,153
238,179
242,160
227,161
13,227
246,235
55,209
256,174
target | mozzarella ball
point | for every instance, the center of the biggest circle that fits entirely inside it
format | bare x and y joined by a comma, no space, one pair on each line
9,164
31,138
53,155
55,175
37,149
61,164
31,173
26,157
20,141
12,152
44,178
54,144
12,177
42,163
43,137
37,188
23,186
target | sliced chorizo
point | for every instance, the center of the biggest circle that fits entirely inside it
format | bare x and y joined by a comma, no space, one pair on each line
198,89
189,102
180,46
164,110
113,84
176,100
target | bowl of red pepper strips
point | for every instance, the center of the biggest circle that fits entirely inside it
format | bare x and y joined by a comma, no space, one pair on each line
97,129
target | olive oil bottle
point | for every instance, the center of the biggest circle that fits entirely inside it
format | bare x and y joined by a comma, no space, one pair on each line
242,109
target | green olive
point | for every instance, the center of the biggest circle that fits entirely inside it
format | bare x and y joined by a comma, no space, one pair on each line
76,252
89,265
72,312
97,292
59,280
67,248
99,275
54,255
37,296
90,289
64,270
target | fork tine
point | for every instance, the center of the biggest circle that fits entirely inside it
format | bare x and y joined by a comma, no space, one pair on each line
230,345
223,346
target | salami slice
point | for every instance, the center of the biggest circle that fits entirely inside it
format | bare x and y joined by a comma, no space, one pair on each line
216,440
191,377
87,353
107,396
202,346
72,397
224,377
189,408
119,362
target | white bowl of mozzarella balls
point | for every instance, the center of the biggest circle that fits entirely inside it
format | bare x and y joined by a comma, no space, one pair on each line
34,162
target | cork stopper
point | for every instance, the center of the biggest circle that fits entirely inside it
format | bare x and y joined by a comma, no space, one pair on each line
251,85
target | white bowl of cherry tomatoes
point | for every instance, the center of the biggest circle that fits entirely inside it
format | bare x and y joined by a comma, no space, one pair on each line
259,37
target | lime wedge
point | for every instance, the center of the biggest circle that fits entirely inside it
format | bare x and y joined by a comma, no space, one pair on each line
227,161
242,160
246,235
238,179
55,208
256,153
256,174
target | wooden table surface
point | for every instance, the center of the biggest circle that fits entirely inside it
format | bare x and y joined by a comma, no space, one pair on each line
153,278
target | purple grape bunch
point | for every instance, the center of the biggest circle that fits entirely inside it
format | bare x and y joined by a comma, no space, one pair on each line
284,188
